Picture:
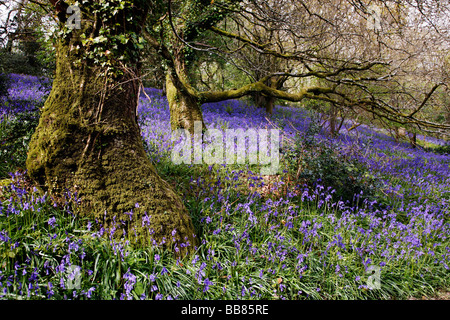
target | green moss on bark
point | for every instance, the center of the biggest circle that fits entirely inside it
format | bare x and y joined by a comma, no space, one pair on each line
88,141
184,108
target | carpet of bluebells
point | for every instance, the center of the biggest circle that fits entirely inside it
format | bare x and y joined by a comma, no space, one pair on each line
261,237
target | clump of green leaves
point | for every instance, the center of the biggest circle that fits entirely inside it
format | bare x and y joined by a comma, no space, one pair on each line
313,160
110,34
445,149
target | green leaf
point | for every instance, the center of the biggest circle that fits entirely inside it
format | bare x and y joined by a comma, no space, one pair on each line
100,39
139,289
122,38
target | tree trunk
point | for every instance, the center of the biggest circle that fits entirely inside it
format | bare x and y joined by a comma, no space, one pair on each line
268,102
184,108
269,105
333,120
88,141
263,101
412,139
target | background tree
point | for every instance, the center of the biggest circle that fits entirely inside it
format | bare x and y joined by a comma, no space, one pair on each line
24,48
254,65
183,23
340,55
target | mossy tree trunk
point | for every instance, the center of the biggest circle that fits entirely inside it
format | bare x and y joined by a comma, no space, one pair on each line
185,109
264,101
88,141
413,139
335,124
267,101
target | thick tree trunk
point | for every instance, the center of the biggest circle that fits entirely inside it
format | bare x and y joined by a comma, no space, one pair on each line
333,120
184,108
268,102
412,139
263,101
88,141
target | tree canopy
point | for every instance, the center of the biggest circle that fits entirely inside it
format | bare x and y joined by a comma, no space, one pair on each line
358,55
365,56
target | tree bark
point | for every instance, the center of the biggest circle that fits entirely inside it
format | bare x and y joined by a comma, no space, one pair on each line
334,126
184,108
263,101
266,101
412,139
88,141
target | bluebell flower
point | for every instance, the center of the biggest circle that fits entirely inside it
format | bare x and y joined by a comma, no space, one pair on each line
206,284
152,277
61,283
89,292
52,222
129,283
